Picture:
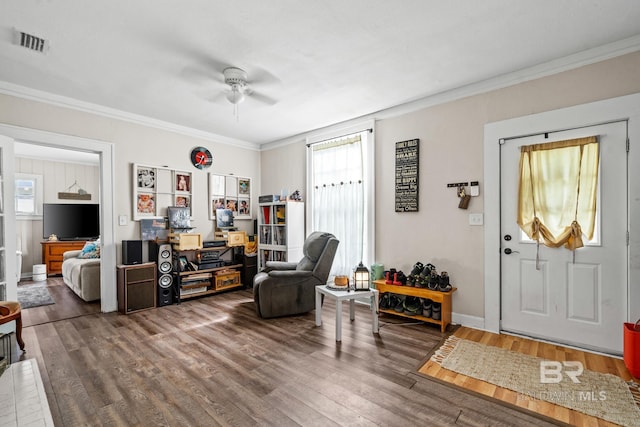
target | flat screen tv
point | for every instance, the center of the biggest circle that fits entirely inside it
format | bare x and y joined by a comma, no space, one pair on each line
70,221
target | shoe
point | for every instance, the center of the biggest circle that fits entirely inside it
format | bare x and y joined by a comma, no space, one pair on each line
436,313
385,301
417,268
433,281
400,279
412,306
411,281
388,275
443,283
399,308
427,306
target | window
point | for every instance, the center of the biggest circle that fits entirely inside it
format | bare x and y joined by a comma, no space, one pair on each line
28,196
341,196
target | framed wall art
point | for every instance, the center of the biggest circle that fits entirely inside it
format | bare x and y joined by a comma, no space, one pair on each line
155,188
230,192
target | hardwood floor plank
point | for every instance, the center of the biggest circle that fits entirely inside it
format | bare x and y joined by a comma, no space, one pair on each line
211,361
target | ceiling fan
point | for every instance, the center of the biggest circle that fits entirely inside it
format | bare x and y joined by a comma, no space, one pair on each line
239,88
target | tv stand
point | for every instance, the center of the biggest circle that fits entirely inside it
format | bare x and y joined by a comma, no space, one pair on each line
52,252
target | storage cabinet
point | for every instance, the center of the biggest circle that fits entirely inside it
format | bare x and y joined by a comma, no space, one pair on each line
444,298
136,287
193,281
52,254
280,232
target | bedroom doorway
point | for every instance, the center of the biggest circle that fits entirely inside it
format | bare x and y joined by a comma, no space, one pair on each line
42,139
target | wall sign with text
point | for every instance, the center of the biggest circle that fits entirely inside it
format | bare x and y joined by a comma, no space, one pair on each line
407,156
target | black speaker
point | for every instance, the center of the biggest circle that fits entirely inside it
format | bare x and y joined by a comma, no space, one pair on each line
131,252
161,254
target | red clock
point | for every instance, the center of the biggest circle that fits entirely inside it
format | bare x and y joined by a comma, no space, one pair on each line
201,157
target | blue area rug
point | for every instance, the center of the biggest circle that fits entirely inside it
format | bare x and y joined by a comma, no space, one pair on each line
30,296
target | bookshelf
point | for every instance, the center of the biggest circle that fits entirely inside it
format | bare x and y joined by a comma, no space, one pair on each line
280,231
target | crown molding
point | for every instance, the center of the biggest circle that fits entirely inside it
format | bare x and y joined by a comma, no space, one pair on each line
567,63
30,94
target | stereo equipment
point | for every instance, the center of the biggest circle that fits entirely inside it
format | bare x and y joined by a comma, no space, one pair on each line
136,287
162,255
214,243
209,256
211,264
131,252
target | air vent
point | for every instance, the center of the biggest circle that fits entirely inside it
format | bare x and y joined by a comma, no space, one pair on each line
31,42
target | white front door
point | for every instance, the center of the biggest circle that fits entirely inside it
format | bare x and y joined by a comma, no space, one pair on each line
581,301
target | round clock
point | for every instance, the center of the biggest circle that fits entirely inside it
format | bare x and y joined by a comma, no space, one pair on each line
201,157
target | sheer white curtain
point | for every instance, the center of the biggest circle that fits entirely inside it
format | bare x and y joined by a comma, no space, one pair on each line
338,198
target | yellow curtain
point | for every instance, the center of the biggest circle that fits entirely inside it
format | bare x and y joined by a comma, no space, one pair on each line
557,191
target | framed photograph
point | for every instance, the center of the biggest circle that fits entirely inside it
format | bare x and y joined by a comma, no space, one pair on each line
244,207
244,187
146,178
183,201
230,192
183,182
232,205
146,204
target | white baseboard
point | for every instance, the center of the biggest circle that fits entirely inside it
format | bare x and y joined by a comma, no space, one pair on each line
469,321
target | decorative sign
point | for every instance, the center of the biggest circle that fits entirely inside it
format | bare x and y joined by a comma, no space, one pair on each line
407,156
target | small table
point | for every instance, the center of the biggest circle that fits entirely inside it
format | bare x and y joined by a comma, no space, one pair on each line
351,296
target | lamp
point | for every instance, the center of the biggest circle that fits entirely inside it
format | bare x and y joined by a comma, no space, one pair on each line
361,278
236,95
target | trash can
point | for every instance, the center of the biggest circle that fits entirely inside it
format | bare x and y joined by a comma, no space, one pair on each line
39,272
631,350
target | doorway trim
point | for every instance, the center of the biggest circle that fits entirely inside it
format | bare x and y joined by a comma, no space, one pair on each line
621,108
108,293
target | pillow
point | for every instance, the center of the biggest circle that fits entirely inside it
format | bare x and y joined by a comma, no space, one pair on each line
90,250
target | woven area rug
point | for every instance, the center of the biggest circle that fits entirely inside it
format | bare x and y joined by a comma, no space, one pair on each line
34,295
599,395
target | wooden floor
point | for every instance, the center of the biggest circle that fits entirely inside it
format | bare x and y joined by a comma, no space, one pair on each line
212,361
590,361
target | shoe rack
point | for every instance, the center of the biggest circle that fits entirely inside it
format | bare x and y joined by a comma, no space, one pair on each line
444,298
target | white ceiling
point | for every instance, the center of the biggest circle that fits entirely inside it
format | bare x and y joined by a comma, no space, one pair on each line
323,61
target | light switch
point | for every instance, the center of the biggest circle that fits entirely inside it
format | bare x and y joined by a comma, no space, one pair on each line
476,219
122,219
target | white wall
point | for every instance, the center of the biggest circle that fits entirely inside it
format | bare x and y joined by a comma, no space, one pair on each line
451,150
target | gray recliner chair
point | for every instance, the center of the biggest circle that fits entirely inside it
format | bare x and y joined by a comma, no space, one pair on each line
288,288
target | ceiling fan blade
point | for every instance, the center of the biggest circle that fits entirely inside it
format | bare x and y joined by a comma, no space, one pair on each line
261,98
263,77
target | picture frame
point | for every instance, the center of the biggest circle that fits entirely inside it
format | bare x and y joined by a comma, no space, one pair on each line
145,204
146,178
155,188
182,201
230,192
182,182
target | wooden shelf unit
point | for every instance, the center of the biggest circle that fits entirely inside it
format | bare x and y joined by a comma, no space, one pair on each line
444,298
52,252
212,287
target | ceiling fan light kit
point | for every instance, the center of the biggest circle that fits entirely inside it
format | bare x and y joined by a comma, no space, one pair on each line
237,80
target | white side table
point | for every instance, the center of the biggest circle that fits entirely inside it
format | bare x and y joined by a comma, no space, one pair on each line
339,296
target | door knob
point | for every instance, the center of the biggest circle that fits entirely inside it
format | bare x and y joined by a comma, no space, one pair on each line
508,251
